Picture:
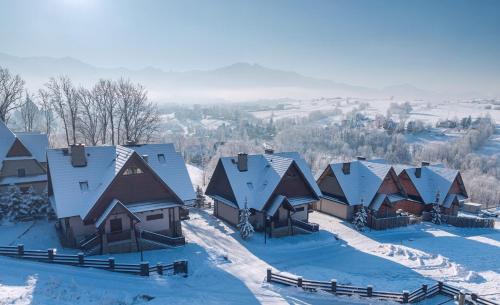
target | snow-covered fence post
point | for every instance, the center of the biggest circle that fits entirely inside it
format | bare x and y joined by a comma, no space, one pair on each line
334,286
111,262
406,296
180,267
269,275
299,281
144,269
369,291
81,258
440,286
20,250
50,254
159,268
461,297
424,289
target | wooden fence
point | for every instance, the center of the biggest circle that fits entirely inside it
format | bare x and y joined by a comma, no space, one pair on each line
387,222
79,260
368,292
463,222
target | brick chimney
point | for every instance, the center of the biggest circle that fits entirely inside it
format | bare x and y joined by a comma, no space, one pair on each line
346,168
78,157
242,162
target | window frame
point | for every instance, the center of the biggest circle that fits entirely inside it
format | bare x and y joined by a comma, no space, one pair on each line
152,217
161,158
84,186
113,223
21,170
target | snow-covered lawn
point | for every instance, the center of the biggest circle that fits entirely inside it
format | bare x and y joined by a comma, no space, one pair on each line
223,269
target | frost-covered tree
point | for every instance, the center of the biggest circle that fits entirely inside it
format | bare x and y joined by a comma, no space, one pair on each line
16,205
246,228
360,218
200,197
436,211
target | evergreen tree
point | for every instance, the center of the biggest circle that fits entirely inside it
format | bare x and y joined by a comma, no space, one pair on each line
15,205
436,211
360,218
246,228
200,197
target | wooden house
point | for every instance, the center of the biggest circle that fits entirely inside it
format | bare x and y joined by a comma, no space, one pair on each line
428,184
22,160
278,188
348,185
119,198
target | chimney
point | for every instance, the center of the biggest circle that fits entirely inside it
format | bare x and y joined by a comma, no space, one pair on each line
418,172
146,158
78,157
131,143
269,151
425,163
361,158
242,162
346,168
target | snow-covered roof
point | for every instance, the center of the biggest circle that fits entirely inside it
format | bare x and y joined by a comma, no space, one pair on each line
362,182
139,207
11,180
115,203
257,184
36,143
433,179
103,162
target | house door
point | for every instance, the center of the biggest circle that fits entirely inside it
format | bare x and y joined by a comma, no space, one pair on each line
283,215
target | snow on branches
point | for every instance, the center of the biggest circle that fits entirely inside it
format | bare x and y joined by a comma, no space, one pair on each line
17,205
246,228
360,218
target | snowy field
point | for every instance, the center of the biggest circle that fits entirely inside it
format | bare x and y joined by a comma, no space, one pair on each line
224,269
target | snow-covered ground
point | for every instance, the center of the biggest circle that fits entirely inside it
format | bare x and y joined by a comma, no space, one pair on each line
225,270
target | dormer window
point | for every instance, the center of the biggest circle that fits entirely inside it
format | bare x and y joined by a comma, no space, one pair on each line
132,171
21,172
161,158
84,186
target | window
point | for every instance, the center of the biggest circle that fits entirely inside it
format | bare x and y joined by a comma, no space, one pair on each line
299,209
132,171
21,172
84,186
116,225
24,189
161,158
154,217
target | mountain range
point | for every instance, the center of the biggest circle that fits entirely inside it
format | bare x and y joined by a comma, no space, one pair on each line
236,82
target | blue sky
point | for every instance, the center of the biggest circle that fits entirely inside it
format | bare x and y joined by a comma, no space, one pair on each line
434,44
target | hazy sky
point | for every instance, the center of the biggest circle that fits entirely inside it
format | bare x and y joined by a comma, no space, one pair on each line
434,44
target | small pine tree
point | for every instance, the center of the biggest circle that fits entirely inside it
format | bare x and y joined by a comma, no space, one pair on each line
4,204
200,197
360,218
246,228
16,204
436,211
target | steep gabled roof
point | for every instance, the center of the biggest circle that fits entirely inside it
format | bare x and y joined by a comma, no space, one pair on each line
265,172
363,180
433,179
36,143
103,164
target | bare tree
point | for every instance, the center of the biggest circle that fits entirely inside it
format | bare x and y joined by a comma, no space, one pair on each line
88,121
65,102
139,117
11,89
105,93
45,107
29,112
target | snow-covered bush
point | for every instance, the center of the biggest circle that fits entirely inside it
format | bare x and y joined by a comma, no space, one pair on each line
360,218
16,205
246,228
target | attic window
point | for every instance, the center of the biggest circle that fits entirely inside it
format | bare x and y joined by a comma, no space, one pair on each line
161,158
84,186
21,172
250,185
132,171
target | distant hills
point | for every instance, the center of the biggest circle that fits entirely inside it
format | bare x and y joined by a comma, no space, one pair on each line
236,82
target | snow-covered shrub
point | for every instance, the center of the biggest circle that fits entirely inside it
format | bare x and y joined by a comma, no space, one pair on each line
246,228
360,218
16,205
